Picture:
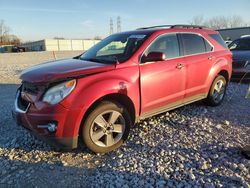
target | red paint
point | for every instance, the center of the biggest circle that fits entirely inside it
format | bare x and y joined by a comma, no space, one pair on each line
149,85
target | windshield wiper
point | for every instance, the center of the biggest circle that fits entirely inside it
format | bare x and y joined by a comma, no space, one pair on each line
94,60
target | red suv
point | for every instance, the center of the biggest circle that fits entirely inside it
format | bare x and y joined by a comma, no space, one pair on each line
128,76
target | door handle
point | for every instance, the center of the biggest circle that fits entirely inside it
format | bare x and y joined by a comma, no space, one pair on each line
179,66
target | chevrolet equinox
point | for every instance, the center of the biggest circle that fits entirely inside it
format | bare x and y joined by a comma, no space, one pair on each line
96,97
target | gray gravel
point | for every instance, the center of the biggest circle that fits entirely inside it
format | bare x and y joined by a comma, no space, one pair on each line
192,146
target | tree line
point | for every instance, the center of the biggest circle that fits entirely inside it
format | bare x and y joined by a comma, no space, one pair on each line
216,22
220,22
6,38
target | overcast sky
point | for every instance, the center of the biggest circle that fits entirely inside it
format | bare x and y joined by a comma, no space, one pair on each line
35,20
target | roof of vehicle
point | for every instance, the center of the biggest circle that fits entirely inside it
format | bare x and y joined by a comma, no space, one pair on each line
173,26
152,29
245,37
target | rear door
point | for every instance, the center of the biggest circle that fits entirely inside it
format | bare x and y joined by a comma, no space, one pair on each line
198,62
162,82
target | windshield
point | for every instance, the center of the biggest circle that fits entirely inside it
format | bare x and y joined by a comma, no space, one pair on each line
118,47
240,44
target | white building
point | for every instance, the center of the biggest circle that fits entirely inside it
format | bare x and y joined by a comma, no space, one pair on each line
59,45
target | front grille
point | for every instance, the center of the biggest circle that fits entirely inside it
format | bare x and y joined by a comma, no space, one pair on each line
21,103
239,64
29,88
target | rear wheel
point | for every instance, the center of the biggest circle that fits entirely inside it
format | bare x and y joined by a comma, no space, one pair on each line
217,91
106,127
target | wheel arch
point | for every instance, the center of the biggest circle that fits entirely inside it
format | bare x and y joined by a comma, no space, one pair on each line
122,99
221,67
225,74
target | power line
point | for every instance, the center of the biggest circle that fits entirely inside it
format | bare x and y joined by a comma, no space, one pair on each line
119,24
111,27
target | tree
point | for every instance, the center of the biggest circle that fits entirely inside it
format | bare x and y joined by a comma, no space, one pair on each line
4,32
14,40
220,22
197,20
217,22
236,21
5,37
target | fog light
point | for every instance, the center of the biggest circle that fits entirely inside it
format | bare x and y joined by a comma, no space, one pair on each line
50,126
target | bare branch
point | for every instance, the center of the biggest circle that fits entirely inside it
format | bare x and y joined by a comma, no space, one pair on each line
5,37
220,22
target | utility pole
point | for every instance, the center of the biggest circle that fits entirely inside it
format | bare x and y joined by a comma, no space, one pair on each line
111,27
119,24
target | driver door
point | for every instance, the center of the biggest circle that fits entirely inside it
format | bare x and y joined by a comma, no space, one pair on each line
162,82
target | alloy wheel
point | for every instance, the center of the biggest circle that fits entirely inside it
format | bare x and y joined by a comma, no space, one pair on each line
107,128
219,91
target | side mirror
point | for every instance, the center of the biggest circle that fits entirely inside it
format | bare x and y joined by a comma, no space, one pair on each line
154,56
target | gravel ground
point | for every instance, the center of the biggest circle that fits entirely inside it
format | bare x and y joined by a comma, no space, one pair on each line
192,146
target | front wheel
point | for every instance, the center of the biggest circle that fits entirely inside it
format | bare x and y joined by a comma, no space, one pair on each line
217,91
106,127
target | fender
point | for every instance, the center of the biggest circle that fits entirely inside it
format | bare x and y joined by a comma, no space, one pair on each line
220,64
90,89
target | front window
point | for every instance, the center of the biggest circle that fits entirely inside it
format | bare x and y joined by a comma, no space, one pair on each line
167,44
240,44
118,47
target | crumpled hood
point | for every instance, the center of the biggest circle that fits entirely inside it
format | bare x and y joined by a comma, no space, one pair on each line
243,55
67,68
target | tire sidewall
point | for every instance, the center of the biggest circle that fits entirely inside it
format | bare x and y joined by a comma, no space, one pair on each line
104,106
210,95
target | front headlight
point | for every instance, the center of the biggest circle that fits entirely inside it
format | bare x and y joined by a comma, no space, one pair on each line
57,93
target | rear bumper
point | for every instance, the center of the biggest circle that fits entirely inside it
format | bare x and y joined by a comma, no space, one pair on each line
64,137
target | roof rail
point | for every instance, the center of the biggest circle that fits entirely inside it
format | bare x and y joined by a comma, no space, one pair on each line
173,26
156,26
188,26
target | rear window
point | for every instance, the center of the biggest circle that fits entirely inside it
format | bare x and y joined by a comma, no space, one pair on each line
219,39
193,44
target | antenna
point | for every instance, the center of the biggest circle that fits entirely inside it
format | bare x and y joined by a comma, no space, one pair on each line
119,24
111,27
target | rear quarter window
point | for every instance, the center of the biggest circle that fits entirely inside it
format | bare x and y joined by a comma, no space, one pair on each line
209,48
219,39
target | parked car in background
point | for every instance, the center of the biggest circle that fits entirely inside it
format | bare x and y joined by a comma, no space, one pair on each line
241,58
228,42
18,49
126,77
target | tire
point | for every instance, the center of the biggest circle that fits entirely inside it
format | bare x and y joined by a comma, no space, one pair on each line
216,96
106,127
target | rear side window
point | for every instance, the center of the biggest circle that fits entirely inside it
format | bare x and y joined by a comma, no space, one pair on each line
219,39
167,44
193,44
